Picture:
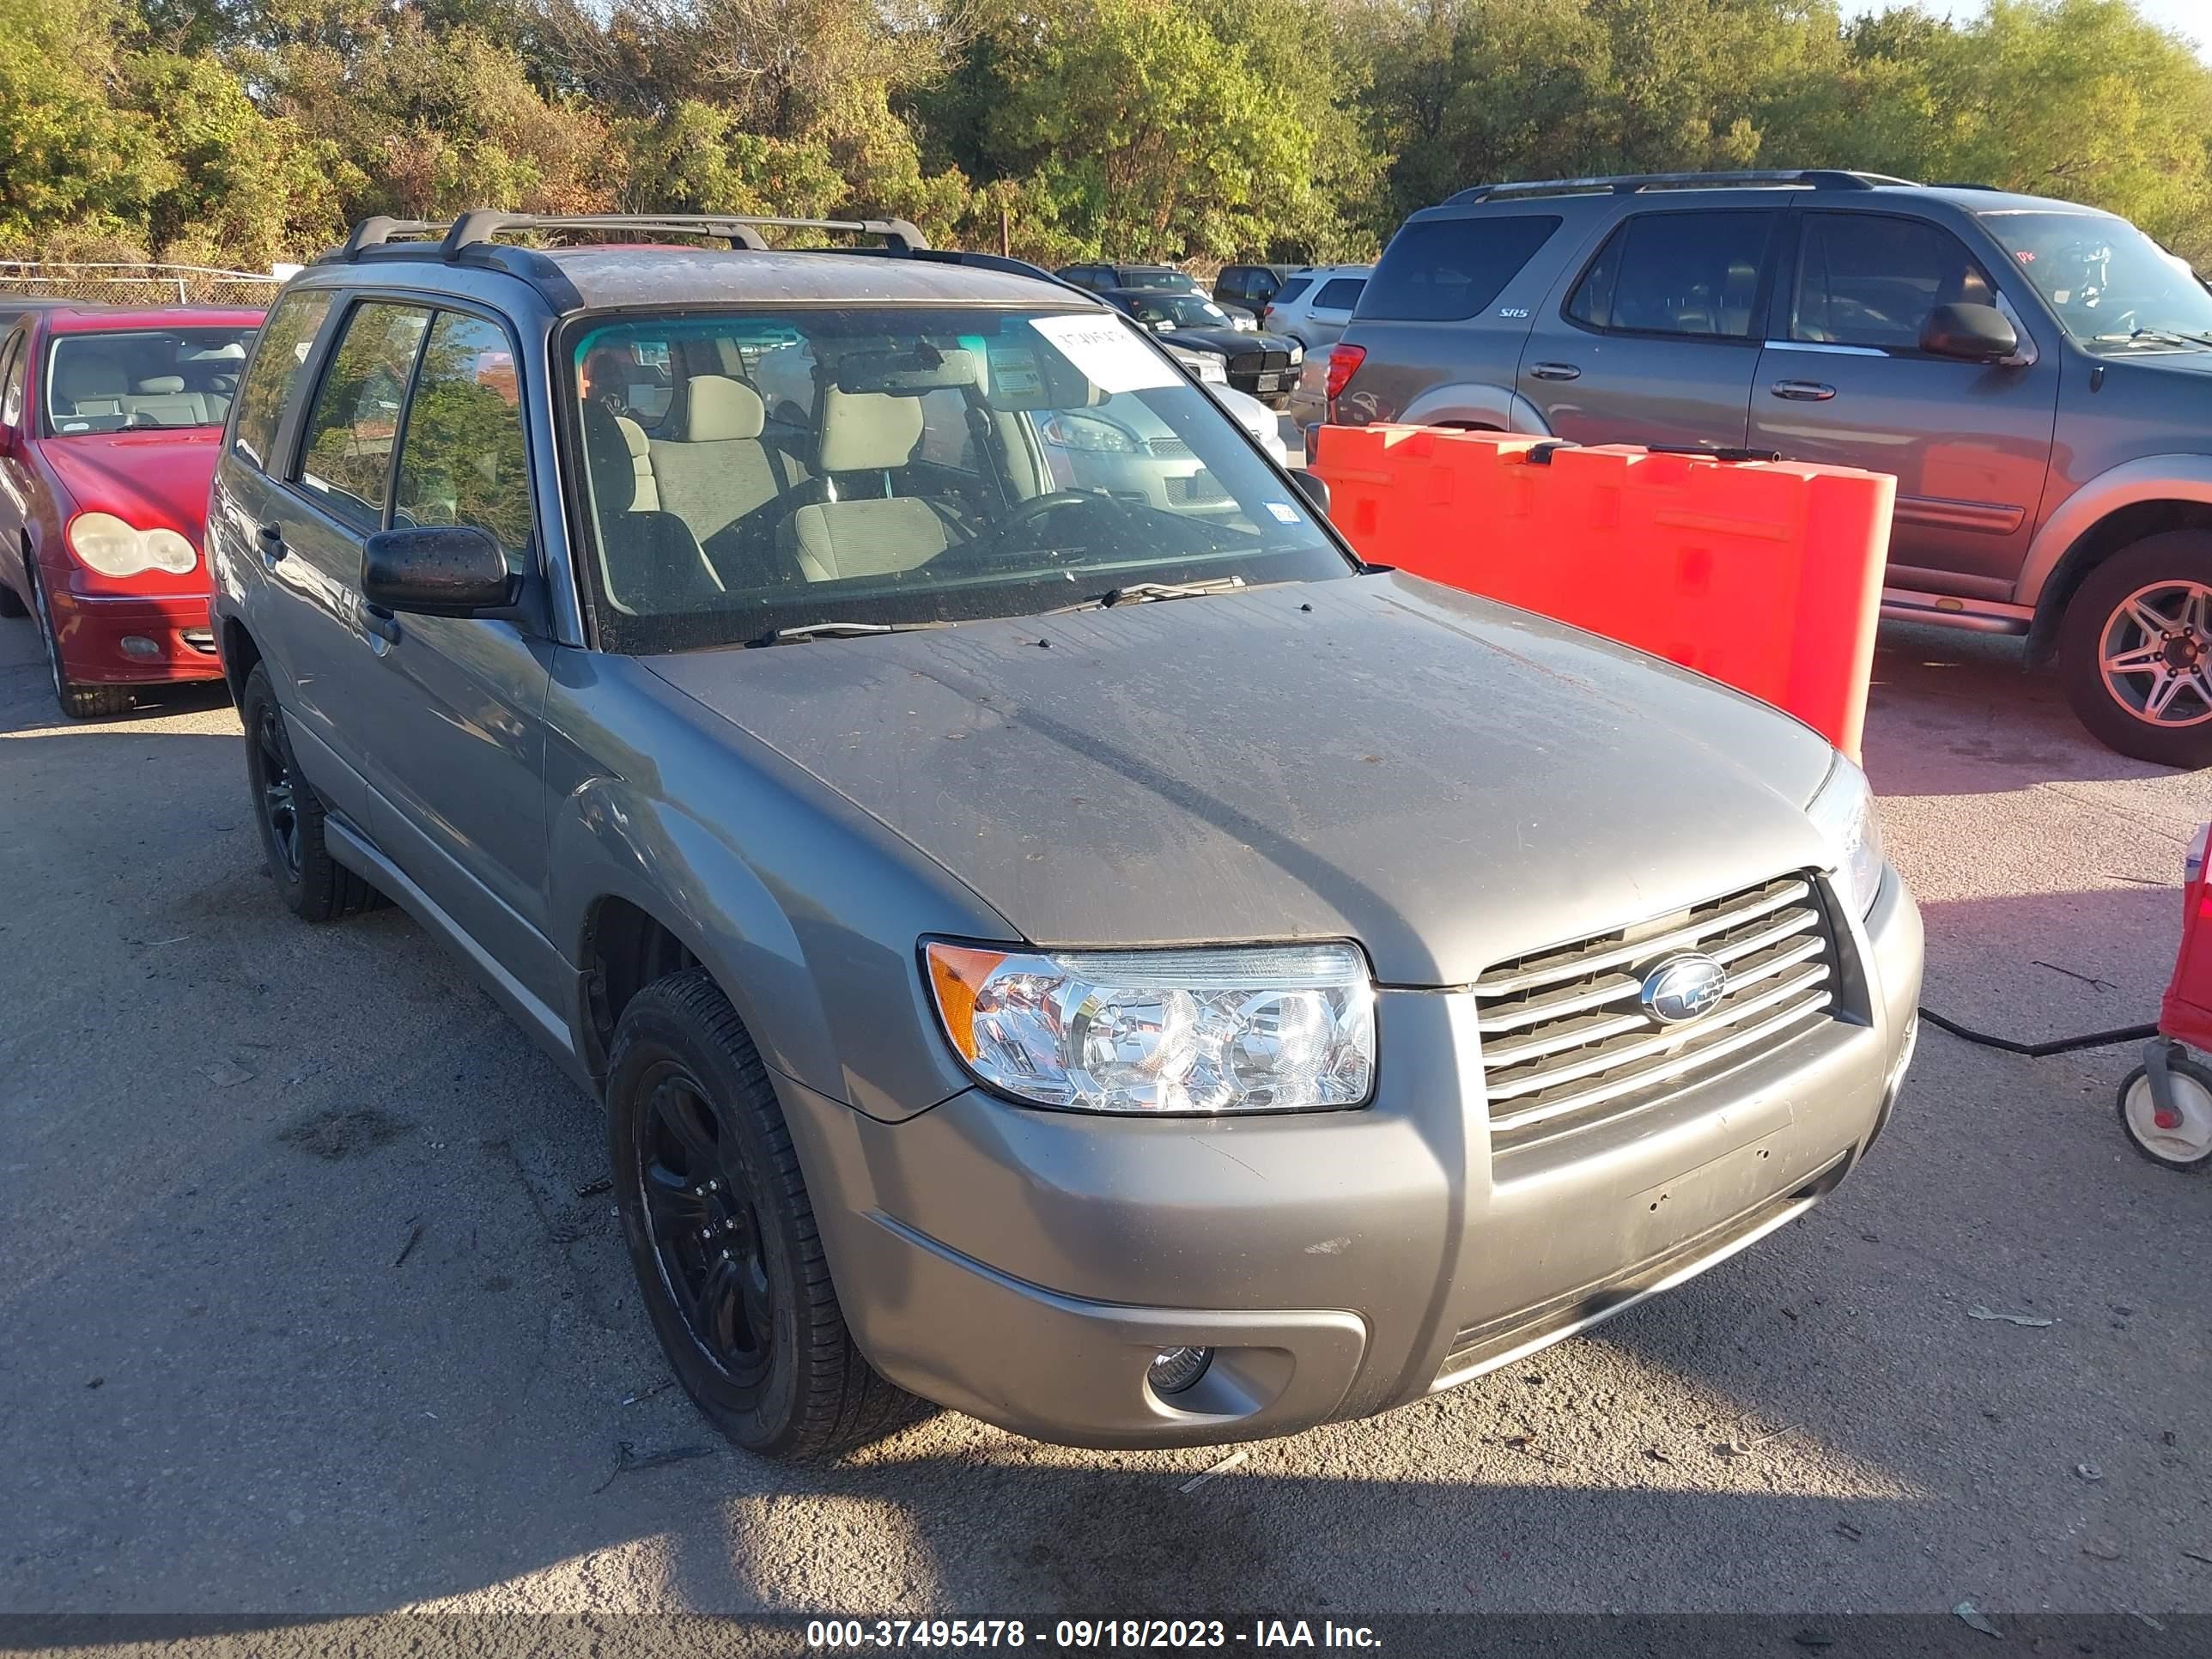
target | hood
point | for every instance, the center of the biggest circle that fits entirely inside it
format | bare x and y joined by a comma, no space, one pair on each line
154,480
1447,780
1226,341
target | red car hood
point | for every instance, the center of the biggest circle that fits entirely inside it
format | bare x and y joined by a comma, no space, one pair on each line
154,480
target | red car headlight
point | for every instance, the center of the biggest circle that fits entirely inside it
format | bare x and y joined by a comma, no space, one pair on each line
106,545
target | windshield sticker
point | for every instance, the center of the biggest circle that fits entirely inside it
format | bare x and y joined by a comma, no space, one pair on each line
1109,352
1013,373
1285,514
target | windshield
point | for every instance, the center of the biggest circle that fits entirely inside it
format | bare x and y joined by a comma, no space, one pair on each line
1167,279
2110,283
751,472
1184,312
159,378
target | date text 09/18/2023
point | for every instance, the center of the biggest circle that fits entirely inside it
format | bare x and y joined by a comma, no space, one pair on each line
1086,1633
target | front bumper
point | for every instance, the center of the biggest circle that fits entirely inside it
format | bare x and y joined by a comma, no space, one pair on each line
133,639
1025,1266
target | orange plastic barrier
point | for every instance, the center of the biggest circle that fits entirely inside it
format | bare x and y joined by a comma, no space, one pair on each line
1766,575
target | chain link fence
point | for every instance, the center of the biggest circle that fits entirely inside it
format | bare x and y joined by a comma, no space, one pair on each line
135,285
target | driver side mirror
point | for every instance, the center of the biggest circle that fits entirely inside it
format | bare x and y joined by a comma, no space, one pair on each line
1314,488
436,570
1969,334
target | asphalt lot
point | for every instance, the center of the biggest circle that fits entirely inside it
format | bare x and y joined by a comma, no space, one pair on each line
303,1313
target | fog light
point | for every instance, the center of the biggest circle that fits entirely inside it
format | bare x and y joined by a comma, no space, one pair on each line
1175,1369
138,645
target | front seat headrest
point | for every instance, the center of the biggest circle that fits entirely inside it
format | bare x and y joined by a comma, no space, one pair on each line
717,408
868,431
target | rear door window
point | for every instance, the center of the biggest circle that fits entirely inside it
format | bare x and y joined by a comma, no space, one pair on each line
1445,269
286,338
1871,280
1340,293
1695,274
345,463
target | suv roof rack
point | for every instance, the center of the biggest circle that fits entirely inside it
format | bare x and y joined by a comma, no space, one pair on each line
480,225
1629,183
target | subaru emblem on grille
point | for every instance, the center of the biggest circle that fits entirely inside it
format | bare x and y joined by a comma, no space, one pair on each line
1683,987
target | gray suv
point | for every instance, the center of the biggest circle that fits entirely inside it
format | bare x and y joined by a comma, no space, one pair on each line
1095,956
2037,374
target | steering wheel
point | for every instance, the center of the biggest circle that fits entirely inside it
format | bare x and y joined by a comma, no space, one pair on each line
1041,506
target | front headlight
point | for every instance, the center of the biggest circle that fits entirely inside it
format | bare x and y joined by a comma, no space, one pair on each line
1225,1028
105,543
1298,353
1844,812
1089,432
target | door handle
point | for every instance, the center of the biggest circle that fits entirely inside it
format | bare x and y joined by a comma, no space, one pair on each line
379,624
1803,392
271,537
1555,371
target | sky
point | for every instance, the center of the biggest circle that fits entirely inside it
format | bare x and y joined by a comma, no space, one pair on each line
2192,18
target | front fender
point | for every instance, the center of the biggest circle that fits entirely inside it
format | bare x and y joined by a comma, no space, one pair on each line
608,840
2148,478
1477,404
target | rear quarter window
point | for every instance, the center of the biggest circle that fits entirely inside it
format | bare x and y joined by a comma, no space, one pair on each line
1445,269
1340,293
1292,289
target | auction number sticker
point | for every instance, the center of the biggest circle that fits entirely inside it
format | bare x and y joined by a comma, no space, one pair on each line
1111,354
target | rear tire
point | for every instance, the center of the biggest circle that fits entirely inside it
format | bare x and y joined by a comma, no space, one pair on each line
314,886
722,1236
75,699
2135,650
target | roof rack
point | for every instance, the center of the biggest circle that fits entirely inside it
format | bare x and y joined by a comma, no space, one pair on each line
1629,184
480,225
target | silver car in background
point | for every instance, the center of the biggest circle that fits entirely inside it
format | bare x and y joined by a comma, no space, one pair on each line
1313,306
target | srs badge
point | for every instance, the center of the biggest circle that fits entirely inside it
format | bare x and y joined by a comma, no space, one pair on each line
1683,987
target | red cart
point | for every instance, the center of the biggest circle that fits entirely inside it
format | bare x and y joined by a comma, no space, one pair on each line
2165,1105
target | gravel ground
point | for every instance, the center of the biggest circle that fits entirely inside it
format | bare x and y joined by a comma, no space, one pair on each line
304,1314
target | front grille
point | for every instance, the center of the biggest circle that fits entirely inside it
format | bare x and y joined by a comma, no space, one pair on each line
1566,1043
1198,490
201,640
1168,449
1258,362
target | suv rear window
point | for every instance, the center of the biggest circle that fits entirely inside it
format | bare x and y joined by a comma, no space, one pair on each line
1442,270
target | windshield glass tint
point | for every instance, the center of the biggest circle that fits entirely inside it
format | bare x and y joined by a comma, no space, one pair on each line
748,471
2108,282
160,378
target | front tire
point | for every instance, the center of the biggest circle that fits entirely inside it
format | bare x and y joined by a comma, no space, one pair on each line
314,886
75,699
722,1236
2135,650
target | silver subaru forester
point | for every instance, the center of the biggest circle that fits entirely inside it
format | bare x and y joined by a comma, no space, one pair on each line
1094,955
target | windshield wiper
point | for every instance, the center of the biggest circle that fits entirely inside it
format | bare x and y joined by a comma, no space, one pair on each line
1143,592
841,630
2171,336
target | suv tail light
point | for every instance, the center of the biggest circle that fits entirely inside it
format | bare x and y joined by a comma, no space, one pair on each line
1344,361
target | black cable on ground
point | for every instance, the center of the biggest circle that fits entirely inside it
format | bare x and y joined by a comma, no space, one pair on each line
2038,1050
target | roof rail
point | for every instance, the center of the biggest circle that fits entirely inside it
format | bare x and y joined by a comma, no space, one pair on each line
1629,184
479,225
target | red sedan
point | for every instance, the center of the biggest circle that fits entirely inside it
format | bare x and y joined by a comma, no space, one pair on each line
109,425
